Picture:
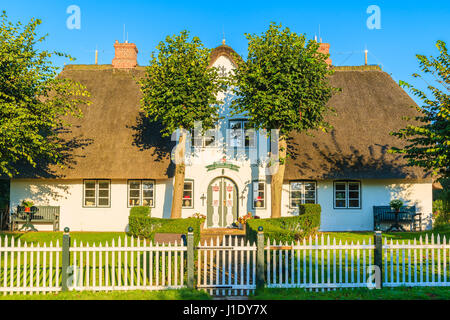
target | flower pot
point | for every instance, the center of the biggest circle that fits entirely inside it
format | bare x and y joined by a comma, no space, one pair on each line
27,209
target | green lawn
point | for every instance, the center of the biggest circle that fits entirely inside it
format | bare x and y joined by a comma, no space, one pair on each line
183,294
46,237
420,293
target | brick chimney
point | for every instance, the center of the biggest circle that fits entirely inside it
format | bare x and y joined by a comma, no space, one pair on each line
325,49
125,55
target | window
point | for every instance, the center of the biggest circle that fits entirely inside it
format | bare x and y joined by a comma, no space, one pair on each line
207,140
97,193
259,194
241,134
347,194
188,194
141,193
302,192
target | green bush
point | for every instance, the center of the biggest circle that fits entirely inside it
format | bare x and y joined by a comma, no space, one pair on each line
287,229
146,227
140,211
441,214
308,208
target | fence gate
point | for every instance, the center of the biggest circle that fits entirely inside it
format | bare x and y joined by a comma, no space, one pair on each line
226,266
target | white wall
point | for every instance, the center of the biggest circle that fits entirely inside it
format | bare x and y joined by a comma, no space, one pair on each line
373,193
68,194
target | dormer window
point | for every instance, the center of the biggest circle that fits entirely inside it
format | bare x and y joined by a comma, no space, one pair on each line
241,134
207,140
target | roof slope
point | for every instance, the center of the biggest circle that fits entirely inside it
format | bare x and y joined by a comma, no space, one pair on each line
119,143
369,107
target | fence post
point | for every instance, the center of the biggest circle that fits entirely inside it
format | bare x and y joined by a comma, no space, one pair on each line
190,258
260,259
378,257
65,259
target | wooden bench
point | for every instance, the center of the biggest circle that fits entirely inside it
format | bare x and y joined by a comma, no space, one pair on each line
408,215
44,214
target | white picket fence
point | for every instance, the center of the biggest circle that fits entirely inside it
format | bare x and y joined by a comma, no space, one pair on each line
417,263
133,265
321,265
318,264
28,268
226,266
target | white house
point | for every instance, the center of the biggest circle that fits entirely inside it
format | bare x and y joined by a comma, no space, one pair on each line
118,158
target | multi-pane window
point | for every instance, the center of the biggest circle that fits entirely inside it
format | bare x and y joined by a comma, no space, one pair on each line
188,194
302,192
259,194
97,193
208,139
347,194
141,193
241,134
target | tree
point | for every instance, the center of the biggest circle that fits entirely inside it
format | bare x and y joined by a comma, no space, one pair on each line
34,102
428,139
282,86
179,89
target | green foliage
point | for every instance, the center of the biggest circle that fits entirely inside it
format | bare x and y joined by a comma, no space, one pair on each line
33,100
286,229
4,193
142,211
179,87
309,208
429,141
146,227
283,84
27,203
396,204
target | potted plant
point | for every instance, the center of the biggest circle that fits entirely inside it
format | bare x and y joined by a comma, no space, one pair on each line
27,204
198,215
396,205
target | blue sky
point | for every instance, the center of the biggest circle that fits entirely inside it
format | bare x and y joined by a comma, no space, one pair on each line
407,27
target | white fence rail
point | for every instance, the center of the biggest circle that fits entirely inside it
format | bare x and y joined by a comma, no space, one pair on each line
417,263
224,266
29,268
318,264
133,265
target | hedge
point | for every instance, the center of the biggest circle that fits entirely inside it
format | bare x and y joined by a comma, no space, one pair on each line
140,226
287,229
140,211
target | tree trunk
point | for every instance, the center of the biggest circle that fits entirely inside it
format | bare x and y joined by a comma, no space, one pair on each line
178,186
276,187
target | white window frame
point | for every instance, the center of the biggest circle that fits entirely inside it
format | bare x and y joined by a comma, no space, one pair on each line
347,191
203,138
256,192
141,192
244,134
192,196
97,193
302,192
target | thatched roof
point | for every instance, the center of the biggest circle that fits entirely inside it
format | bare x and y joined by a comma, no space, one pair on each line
117,141
369,107
113,140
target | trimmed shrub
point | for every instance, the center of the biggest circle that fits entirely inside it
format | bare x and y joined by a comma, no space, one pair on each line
308,208
141,226
140,211
287,229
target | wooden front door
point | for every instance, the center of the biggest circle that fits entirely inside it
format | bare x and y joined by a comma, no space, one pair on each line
222,203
